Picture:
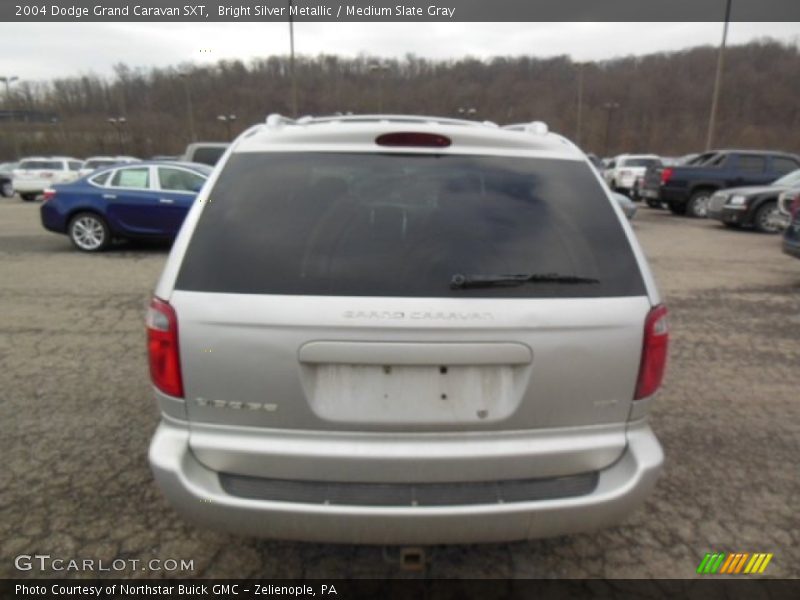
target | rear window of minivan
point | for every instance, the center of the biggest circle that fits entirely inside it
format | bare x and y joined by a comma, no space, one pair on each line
347,224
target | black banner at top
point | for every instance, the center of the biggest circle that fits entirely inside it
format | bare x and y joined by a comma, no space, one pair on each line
395,10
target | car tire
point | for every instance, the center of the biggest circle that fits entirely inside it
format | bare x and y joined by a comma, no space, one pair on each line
677,209
89,232
6,189
697,207
653,203
28,197
763,220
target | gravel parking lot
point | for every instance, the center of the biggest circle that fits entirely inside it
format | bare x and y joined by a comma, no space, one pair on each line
76,417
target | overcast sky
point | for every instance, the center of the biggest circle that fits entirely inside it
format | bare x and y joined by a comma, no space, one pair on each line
46,50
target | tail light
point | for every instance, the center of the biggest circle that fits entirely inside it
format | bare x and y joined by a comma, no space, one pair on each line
794,204
666,175
654,353
162,348
49,194
410,138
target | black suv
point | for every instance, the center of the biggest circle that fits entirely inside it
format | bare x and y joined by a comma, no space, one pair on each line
687,189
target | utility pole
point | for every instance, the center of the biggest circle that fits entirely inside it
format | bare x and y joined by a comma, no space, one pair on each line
189,111
712,119
579,116
380,70
8,81
610,107
291,61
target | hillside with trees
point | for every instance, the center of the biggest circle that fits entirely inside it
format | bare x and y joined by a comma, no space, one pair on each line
656,103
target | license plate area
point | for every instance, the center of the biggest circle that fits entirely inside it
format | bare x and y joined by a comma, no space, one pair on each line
414,394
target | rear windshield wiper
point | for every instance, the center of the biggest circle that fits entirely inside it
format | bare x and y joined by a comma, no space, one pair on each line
460,280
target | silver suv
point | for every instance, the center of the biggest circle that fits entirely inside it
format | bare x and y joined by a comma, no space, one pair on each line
405,330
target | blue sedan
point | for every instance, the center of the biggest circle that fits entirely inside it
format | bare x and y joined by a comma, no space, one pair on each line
141,200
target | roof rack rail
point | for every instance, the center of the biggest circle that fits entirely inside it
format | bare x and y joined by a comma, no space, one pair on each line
534,127
276,120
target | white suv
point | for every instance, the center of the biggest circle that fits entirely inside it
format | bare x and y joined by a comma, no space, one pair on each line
627,168
91,164
399,330
35,174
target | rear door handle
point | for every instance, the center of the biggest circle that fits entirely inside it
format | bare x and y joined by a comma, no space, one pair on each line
166,201
110,196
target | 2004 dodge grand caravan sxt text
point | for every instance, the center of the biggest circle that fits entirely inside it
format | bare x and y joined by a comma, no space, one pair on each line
400,330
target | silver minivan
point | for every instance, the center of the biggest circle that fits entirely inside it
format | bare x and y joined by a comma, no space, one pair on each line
405,330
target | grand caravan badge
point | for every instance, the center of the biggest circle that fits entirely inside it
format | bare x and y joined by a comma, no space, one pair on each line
417,315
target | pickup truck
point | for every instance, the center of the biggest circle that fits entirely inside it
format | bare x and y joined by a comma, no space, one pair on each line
687,189
207,153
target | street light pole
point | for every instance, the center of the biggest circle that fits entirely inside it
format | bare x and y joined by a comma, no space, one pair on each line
189,111
712,118
8,81
291,61
117,123
467,112
228,120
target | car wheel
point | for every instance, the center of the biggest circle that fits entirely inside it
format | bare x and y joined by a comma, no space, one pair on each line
653,203
89,232
766,218
6,189
677,209
28,197
698,204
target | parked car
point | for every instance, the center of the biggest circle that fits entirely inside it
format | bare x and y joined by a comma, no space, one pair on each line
91,164
6,179
369,329
755,206
596,162
687,189
788,203
650,197
627,205
626,168
33,175
142,200
791,237
207,153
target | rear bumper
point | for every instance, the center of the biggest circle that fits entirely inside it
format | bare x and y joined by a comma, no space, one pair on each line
197,493
52,219
34,186
676,196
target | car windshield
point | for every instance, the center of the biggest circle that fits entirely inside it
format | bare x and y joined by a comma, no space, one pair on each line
790,179
94,164
404,224
640,162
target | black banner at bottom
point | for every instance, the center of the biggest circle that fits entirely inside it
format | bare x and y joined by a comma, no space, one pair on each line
390,589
